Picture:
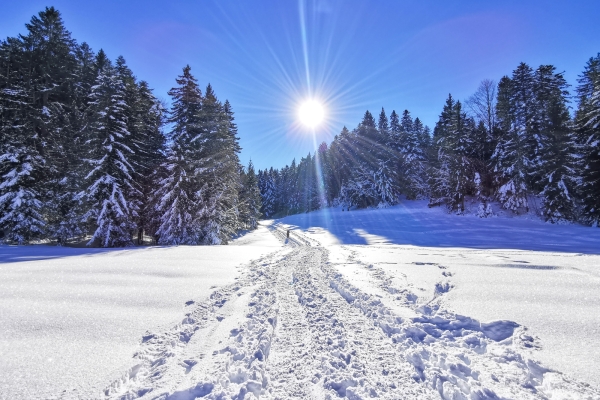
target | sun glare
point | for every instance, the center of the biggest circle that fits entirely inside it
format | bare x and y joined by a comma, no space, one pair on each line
311,113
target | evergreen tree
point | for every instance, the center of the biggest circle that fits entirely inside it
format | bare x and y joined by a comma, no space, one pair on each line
383,126
250,198
267,192
511,157
454,175
217,169
413,158
587,121
150,144
555,161
37,100
176,200
111,189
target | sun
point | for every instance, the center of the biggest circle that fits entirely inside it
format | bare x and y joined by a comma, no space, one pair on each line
311,113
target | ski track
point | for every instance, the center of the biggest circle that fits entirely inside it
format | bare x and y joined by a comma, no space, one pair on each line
292,326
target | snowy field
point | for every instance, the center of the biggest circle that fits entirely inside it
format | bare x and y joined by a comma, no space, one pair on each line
71,319
404,302
545,277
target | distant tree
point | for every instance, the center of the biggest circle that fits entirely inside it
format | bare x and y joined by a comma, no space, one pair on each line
250,198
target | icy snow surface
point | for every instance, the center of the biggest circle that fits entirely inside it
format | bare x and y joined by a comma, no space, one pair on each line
70,319
404,302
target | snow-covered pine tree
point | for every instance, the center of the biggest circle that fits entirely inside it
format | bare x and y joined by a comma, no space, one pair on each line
21,163
383,126
373,179
148,114
413,158
423,135
511,157
292,189
243,209
341,157
556,165
439,168
267,192
145,117
326,175
250,198
177,189
216,169
111,190
66,209
41,70
587,120
454,176
310,199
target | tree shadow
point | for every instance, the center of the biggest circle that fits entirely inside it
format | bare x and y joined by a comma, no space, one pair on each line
418,225
11,254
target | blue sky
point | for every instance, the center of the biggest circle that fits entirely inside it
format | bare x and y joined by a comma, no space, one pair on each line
266,57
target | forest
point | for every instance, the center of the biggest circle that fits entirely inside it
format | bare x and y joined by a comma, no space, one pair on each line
88,153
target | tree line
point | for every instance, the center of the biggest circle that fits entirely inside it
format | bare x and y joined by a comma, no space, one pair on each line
88,151
514,142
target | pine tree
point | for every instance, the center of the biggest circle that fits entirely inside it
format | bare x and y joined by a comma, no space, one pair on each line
268,193
383,126
413,158
111,189
439,170
555,161
511,157
217,170
453,177
587,121
150,145
176,200
37,92
251,197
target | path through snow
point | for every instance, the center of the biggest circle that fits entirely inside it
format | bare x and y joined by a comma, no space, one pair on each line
293,326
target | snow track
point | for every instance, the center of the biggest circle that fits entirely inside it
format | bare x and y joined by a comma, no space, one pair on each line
293,326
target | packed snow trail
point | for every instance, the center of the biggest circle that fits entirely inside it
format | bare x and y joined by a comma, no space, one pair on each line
293,327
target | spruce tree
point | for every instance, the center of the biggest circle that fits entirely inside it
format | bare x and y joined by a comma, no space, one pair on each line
38,93
176,198
453,176
217,170
556,164
111,190
587,122
252,197
511,157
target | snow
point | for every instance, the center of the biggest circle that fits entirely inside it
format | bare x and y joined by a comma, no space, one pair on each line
70,319
542,276
401,302
413,223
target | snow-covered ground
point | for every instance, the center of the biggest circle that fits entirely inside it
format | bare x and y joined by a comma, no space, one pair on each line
404,302
71,319
544,277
